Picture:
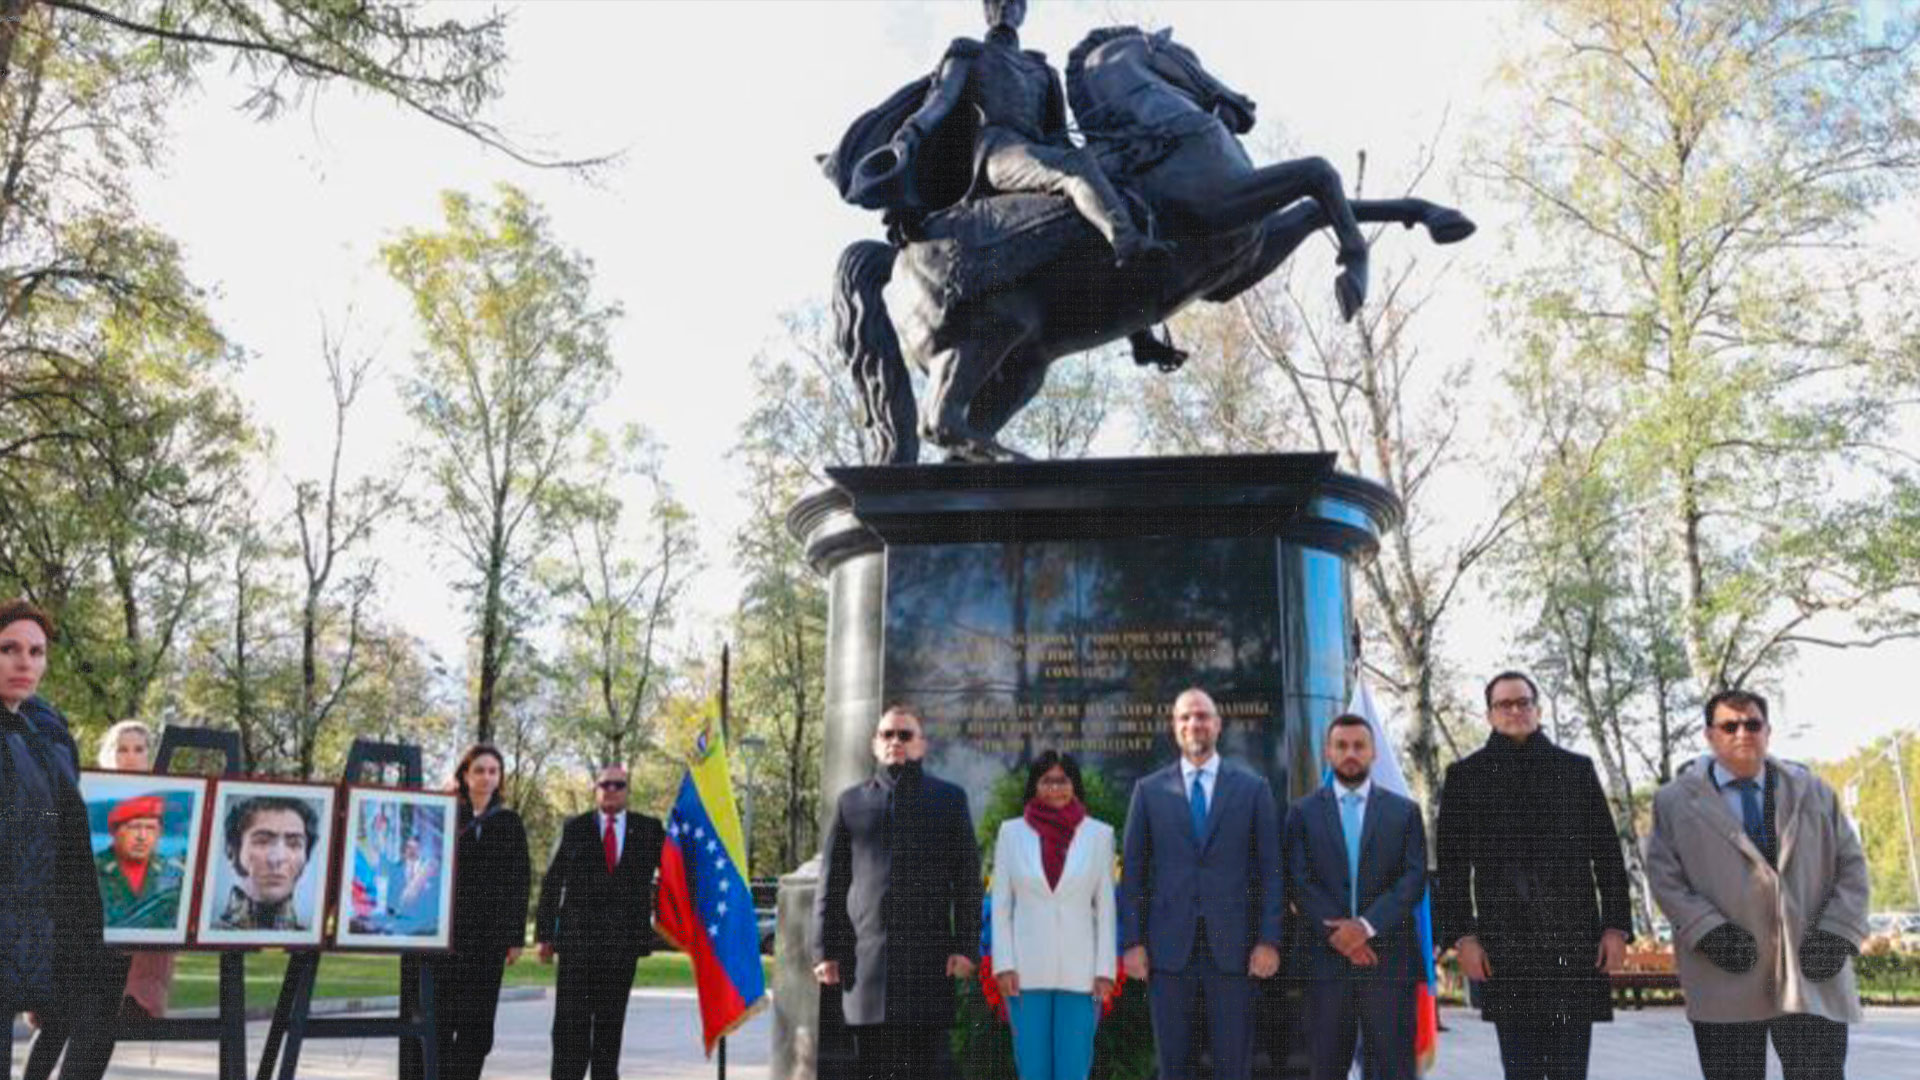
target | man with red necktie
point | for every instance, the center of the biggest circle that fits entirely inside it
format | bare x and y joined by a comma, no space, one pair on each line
596,912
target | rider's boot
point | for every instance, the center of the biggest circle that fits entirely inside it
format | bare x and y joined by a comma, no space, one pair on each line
1148,348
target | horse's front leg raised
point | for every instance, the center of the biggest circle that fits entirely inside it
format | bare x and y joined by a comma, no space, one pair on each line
1241,201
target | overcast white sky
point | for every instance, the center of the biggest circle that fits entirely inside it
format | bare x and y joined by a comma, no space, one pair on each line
717,219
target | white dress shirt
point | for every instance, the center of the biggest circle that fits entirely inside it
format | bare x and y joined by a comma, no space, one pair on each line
1209,772
600,818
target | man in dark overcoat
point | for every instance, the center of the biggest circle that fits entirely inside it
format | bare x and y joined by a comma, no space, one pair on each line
897,915
596,913
1532,887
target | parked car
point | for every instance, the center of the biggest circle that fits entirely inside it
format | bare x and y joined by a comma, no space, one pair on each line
766,910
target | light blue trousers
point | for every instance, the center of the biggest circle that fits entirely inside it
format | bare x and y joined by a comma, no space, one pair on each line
1053,1034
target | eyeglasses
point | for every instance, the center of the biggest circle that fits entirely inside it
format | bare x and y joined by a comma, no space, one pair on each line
613,785
1056,781
897,735
1513,704
1753,724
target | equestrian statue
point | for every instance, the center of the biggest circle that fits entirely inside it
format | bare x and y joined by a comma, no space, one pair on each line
1014,247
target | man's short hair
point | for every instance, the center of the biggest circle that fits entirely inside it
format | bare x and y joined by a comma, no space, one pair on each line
241,814
1738,699
1503,677
902,708
1347,719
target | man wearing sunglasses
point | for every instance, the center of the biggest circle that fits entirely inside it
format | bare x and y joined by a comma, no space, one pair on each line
897,915
596,911
1766,886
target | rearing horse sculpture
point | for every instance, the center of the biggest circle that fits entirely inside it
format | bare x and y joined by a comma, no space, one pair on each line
988,294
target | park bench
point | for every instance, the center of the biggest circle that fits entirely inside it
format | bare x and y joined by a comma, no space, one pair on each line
1645,971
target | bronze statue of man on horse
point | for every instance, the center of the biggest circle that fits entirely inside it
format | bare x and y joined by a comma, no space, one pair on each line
1015,247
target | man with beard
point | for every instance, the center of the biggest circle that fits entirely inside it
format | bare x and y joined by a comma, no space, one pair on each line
139,887
1356,858
1201,894
1532,889
269,840
897,917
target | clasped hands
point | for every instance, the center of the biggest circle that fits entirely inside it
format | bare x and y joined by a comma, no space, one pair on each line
1349,938
1263,963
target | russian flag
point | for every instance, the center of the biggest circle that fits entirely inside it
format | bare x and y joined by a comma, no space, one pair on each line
704,905
1387,773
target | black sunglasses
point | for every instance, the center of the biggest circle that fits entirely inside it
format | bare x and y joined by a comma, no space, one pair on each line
613,785
1752,724
897,734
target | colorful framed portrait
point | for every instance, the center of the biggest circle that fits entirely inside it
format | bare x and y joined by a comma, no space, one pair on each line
268,866
396,871
149,838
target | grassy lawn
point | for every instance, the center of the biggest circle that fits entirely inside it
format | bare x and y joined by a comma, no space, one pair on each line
196,981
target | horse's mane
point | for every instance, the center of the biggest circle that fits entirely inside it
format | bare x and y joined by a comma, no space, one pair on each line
1077,59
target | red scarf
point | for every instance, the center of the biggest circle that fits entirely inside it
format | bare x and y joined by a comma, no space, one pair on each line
1056,832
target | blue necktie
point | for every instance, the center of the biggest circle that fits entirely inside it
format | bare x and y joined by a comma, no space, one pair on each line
1350,822
1752,815
1198,804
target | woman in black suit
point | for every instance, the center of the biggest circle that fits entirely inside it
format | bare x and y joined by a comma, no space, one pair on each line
492,874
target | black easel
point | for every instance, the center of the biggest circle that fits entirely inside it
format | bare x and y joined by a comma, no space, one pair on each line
229,1028
414,1027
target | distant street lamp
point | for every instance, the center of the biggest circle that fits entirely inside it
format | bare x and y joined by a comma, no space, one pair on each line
1906,813
750,747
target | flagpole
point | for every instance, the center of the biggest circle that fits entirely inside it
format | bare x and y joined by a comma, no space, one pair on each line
726,664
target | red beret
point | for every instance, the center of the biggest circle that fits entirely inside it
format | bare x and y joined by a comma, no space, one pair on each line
145,806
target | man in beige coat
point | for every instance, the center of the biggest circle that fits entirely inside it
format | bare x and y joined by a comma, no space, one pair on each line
1766,887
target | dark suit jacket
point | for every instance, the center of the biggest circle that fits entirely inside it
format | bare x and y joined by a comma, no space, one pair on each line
899,893
1232,879
1393,877
582,906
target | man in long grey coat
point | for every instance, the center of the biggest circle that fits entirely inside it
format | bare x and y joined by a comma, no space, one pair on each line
1766,887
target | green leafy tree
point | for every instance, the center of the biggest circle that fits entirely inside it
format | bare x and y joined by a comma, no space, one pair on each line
804,420
514,358
1704,277
1871,791
619,585
447,69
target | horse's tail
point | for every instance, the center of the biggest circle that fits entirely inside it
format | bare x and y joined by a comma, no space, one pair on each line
871,349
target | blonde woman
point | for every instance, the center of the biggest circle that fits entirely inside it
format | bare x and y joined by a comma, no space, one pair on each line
1054,939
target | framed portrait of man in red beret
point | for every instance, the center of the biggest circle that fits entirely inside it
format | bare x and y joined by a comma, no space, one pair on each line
148,843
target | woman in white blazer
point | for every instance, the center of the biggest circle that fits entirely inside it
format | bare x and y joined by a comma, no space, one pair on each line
1053,922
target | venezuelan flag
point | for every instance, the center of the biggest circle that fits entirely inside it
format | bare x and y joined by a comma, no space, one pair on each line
704,905
1387,773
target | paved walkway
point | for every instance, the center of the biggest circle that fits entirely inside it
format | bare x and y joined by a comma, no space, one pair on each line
663,1043
1657,1044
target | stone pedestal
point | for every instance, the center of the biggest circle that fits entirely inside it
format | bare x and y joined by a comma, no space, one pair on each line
1064,605
796,997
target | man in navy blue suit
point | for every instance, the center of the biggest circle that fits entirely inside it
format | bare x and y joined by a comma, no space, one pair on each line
1200,894
1356,859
